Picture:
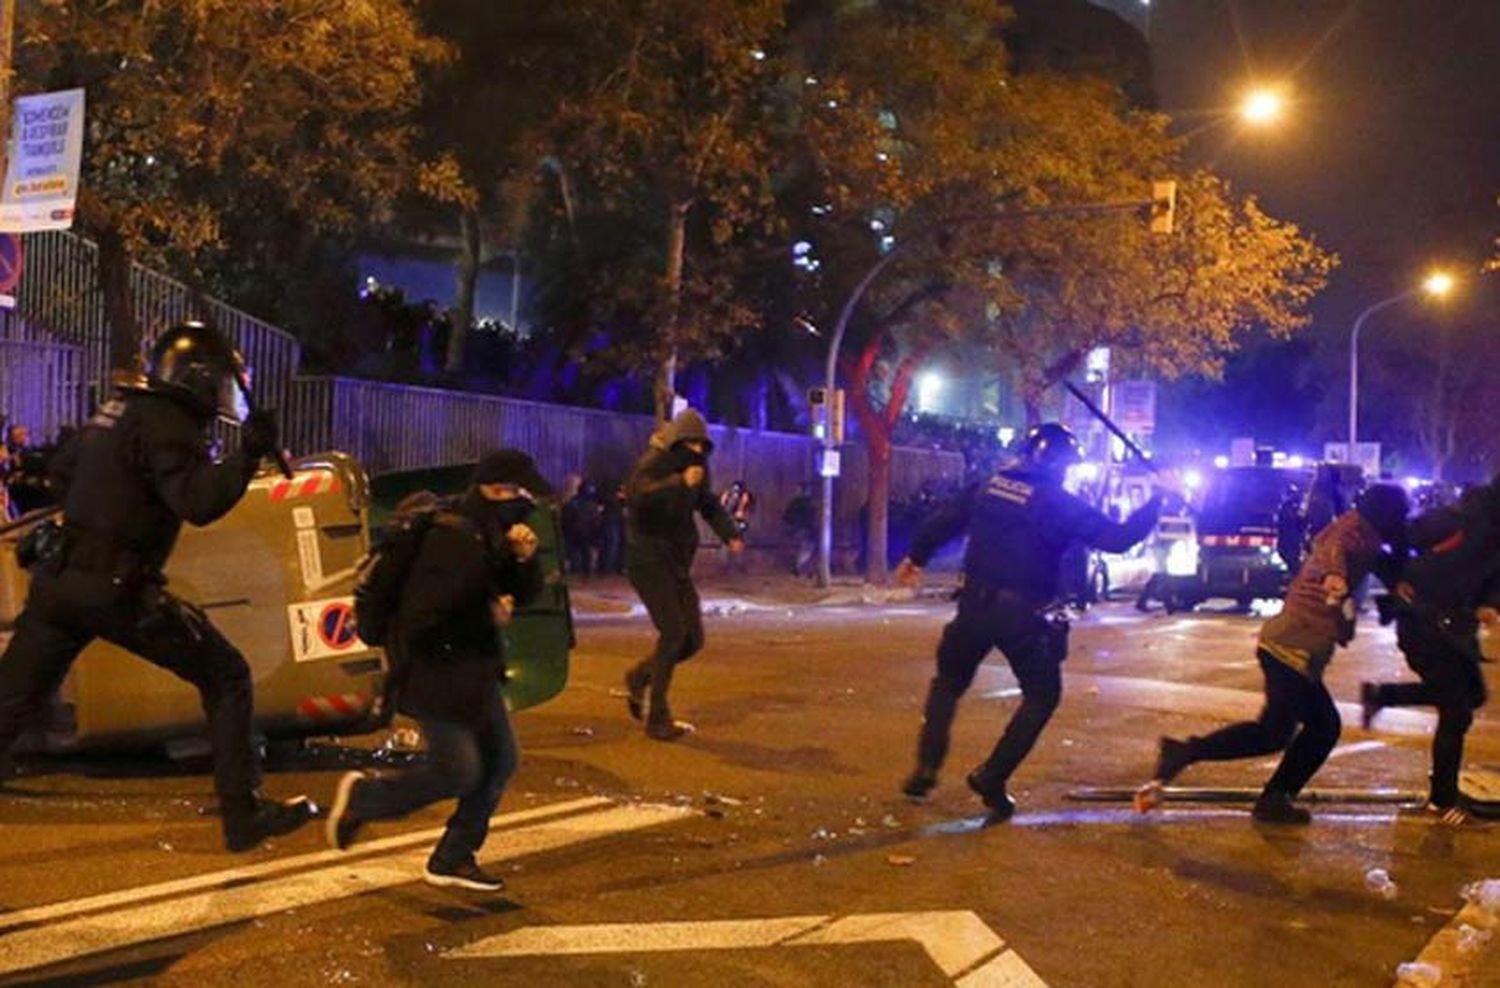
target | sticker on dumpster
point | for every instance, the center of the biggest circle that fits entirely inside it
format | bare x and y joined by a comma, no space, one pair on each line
323,629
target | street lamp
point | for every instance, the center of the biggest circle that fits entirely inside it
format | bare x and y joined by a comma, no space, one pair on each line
1436,285
1262,107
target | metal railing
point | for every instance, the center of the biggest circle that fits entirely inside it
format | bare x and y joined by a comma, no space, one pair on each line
394,428
59,296
41,385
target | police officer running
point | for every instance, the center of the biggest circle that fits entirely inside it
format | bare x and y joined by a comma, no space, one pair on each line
128,480
1441,597
1020,523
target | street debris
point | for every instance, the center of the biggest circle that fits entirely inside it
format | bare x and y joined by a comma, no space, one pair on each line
890,822
1471,938
1378,880
1416,974
900,860
1485,897
583,732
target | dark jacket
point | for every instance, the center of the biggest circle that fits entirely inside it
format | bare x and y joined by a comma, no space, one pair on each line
661,529
448,655
1020,524
133,474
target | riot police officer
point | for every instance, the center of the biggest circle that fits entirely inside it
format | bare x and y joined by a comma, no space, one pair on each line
1020,523
129,479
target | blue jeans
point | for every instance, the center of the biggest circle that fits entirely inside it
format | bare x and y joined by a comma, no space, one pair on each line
472,762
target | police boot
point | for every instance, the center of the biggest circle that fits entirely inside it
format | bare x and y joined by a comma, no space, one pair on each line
1277,807
266,818
920,784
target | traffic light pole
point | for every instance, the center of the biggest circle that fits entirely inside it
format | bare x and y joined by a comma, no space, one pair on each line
1160,208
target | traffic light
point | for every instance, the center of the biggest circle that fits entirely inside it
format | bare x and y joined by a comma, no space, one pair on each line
1163,206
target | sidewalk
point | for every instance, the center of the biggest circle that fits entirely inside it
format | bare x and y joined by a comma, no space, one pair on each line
730,593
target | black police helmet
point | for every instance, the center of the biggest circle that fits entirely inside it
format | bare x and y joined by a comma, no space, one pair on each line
1385,507
1051,448
197,365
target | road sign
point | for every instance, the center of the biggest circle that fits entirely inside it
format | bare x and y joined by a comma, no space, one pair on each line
962,946
1133,405
322,629
12,258
41,177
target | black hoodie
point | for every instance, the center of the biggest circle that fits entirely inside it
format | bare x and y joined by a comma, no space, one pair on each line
661,505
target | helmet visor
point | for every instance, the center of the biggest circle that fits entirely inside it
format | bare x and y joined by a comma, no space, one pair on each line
234,396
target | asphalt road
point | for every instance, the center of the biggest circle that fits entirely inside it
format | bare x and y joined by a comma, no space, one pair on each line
772,848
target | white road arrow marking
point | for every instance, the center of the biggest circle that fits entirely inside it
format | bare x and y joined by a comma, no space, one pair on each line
958,942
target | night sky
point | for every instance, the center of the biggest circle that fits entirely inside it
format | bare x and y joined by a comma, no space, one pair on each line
1390,157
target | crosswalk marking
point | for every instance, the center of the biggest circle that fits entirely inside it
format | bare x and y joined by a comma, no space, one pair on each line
109,900
28,948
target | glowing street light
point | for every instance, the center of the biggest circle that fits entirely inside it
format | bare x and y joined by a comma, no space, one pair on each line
1262,107
1436,285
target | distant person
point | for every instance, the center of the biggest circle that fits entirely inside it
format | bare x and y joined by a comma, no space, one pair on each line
1299,718
800,521
1291,529
669,487
582,519
740,505
612,530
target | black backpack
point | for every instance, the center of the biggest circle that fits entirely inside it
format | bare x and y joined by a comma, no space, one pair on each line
382,573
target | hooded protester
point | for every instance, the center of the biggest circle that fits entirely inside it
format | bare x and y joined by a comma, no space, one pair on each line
1295,647
1442,595
669,486
476,563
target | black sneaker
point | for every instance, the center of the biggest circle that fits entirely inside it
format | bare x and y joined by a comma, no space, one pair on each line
919,785
1277,807
465,875
1172,756
995,798
636,682
270,818
1369,704
668,729
342,826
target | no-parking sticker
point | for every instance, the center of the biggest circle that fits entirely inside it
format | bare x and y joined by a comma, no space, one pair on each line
323,629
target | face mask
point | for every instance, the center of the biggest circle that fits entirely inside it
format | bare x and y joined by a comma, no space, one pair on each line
508,513
683,457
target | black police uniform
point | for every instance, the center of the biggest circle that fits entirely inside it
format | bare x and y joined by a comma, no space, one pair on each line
1020,523
1456,570
130,477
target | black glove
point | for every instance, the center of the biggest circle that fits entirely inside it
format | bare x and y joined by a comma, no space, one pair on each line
259,435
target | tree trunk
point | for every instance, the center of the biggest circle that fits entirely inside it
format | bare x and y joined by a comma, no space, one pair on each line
666,374
878,427
119,304
468,276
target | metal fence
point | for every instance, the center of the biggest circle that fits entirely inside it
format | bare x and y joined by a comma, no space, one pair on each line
41,385
60,300
392,428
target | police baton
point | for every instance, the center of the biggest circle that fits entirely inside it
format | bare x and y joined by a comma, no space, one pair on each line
1109,424
279,453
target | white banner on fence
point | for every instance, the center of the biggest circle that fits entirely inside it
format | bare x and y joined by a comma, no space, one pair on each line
41,174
